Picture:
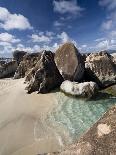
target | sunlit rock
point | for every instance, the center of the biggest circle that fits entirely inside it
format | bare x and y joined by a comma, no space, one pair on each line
85,89
45,76
69,62
100,67
29,61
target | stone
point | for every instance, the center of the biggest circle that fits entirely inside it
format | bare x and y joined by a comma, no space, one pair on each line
110,90
29,61
85,89
69,62
114,57
101,69
8,69
18,56
45,76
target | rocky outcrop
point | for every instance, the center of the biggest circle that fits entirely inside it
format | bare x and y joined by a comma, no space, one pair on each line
18,56
101,68
45,76
114,57
85,89
8,69
69,62
29,61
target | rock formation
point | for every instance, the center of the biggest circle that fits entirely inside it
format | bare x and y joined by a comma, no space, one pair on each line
45,76
114,57
85,89
101,68
8,69
29,61
69,62
18,56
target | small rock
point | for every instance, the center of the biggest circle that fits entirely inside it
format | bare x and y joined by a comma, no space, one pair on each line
85,89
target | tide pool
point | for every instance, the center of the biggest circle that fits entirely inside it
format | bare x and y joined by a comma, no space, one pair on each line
78,115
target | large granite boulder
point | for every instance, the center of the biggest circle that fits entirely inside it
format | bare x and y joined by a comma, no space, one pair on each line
18,56
69,62
45,76
8,69
100,67
85,89
29,61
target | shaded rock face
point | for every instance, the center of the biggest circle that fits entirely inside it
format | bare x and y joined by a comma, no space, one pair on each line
85,89
69,62
29,61
100,68
110,90
18,56
45,76
8,69
85,55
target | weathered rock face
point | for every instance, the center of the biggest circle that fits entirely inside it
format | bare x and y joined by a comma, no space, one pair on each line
29,61
114,57
69,62
45,75
101,68
8,69
85,89
18,56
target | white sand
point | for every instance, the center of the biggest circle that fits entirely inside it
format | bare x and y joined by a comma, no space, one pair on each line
23,130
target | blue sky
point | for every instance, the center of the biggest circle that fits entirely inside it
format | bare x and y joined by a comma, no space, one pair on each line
33,25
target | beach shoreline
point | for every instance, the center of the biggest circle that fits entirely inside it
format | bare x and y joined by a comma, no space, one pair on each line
22,118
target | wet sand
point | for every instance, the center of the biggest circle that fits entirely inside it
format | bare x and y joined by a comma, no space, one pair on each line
23,130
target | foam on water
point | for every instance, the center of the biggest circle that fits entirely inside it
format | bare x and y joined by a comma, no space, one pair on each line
78,115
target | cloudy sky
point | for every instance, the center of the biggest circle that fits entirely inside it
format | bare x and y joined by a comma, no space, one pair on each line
34,25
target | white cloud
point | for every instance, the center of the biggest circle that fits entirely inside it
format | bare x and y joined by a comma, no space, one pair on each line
109,4
99,39
84,46
103,45
64,37
10,21
6,37
64,6
58,24
107,25
113,33
41,38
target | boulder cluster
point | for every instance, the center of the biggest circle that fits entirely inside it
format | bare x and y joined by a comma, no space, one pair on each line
7,69
75,73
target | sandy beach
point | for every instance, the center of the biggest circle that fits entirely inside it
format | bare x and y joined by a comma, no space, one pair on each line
23,130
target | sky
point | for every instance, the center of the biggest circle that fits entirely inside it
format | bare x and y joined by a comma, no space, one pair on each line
34,25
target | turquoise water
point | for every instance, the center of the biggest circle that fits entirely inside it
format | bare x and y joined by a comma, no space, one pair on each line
78,115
